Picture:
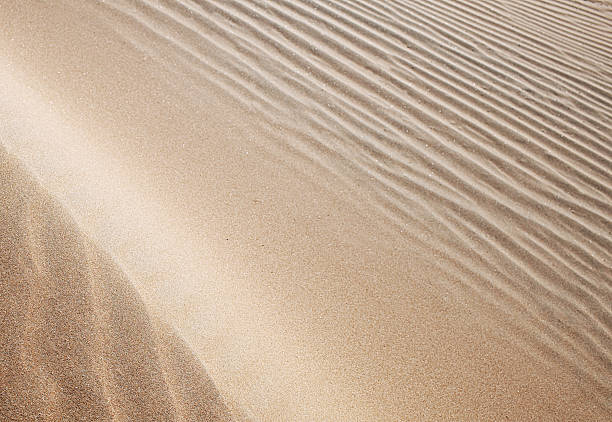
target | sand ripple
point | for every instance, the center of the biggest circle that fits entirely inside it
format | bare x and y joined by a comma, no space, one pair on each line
480,129
76,340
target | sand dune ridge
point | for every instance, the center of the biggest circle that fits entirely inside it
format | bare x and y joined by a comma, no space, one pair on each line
77,341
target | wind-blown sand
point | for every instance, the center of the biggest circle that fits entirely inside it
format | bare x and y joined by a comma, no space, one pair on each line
350,210
76,340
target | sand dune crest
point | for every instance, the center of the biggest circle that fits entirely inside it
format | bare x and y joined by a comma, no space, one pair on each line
77,342
377,210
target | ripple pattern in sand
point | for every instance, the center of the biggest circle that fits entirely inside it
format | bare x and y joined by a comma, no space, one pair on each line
481,130
77,342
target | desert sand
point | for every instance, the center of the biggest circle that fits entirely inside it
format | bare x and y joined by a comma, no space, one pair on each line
77,341
306,210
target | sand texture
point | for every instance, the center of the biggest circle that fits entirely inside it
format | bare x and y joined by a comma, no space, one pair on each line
76,340
350,210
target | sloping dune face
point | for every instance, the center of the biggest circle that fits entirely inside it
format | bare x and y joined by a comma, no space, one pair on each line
351,210
76,340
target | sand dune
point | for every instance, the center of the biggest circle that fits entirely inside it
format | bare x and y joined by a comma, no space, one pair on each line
77,341
351,210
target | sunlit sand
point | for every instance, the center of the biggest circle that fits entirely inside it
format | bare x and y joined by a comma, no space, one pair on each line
306,210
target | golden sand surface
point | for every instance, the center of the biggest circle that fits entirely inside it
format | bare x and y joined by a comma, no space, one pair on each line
343,210
77,342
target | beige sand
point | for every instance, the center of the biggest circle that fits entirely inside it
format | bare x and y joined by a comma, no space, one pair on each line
76,340
350,210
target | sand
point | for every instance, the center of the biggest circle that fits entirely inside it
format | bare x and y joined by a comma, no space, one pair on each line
346,210
77,340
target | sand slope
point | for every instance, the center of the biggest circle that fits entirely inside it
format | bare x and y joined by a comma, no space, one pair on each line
480,130
76,342
351,210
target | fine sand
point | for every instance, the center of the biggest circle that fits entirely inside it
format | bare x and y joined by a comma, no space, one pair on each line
344,210
76,340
